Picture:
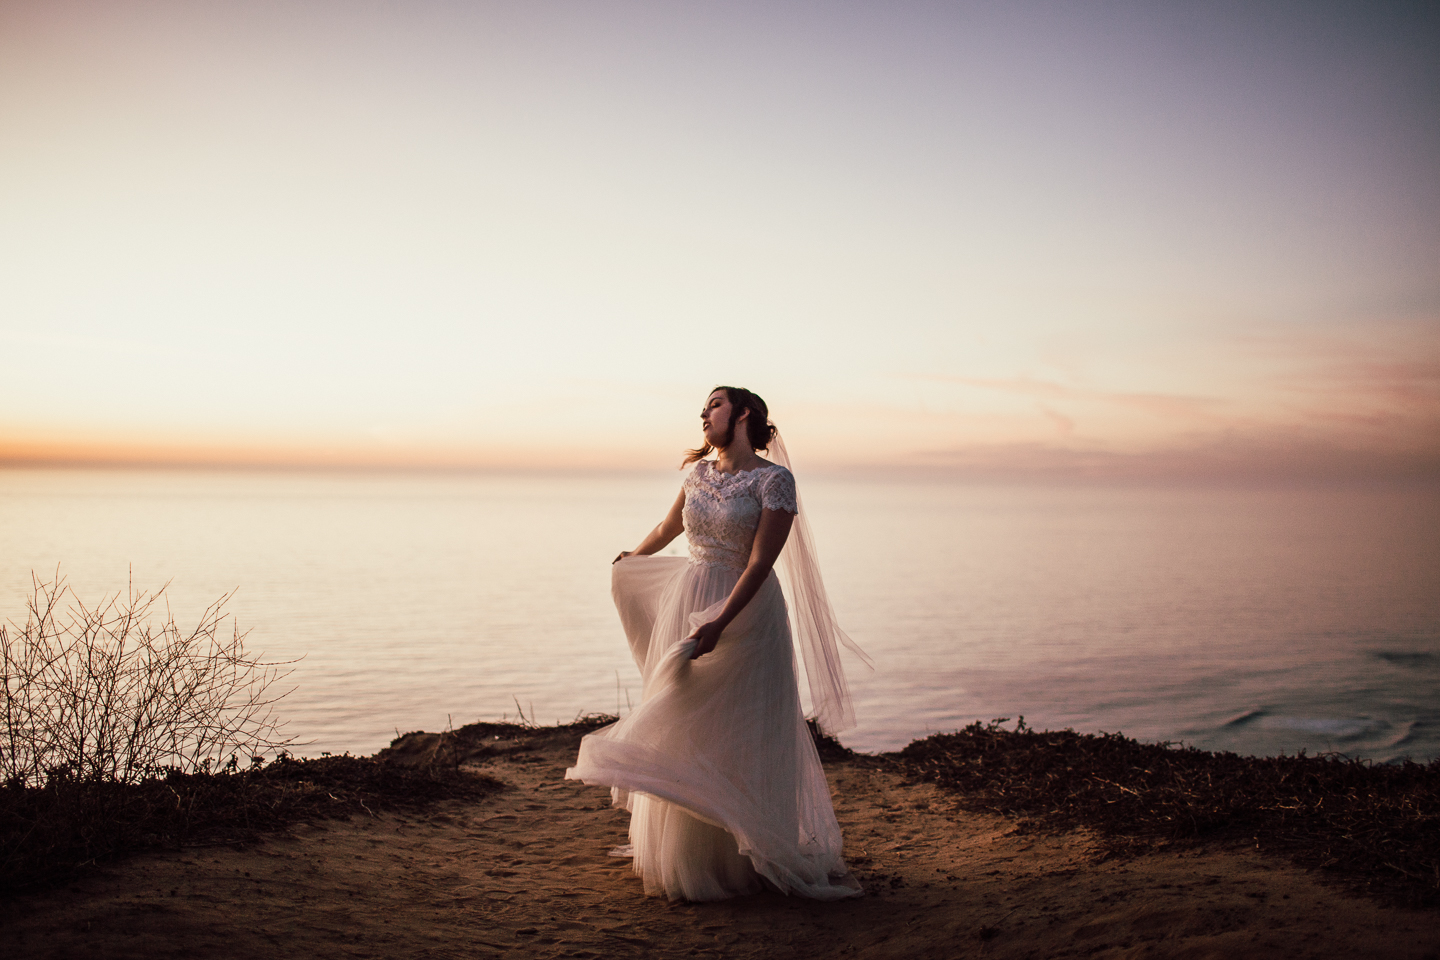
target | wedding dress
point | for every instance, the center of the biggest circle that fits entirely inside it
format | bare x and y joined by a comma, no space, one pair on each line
716,765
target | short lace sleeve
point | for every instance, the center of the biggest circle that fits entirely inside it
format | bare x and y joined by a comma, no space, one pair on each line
692,474
777,490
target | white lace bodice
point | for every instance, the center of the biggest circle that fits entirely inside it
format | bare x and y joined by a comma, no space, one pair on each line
722,510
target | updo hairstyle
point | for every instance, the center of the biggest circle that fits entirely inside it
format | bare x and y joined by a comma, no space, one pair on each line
759,431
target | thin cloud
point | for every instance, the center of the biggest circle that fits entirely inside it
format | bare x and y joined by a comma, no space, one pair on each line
1177,406
1276,456
1064,424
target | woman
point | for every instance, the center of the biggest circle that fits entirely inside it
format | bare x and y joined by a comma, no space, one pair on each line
716,765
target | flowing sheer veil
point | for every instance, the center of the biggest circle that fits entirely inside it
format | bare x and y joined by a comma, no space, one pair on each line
817,633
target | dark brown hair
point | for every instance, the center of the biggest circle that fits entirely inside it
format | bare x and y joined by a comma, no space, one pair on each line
759,431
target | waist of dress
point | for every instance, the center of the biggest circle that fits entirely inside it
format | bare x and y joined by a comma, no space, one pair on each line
718,563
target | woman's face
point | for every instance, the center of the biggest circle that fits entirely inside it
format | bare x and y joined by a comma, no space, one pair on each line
715,418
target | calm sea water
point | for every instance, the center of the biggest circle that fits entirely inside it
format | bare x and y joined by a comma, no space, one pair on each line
1259,621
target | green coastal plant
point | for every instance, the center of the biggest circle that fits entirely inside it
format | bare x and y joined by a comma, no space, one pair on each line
119,692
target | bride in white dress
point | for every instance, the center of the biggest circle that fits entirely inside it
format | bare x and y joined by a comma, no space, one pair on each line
716,766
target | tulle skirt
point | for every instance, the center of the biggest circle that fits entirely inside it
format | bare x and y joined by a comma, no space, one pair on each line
716,766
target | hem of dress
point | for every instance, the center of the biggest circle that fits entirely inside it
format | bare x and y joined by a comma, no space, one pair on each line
784,881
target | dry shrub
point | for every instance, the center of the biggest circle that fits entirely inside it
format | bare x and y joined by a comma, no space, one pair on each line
114,731
116,692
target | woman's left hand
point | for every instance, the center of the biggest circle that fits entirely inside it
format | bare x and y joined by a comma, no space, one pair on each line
707,635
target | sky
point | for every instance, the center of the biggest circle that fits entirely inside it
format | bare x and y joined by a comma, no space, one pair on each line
995,240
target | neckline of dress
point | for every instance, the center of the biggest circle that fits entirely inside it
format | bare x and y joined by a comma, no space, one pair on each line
738,473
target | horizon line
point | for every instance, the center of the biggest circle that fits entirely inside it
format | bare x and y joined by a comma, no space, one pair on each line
1019,463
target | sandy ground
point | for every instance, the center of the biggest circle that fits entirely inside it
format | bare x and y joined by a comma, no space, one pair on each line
525,873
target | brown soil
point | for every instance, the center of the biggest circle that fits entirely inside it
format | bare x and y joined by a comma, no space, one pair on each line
525,873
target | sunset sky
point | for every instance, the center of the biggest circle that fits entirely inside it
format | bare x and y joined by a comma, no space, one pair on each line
973,239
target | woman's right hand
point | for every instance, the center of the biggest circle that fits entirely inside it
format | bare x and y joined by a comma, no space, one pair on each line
622,556
705,636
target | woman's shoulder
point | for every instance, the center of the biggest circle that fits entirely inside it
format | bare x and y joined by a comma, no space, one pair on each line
765,474
768,473
777,488
776,469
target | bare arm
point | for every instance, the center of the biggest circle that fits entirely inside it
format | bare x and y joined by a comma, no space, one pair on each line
666,530
770,539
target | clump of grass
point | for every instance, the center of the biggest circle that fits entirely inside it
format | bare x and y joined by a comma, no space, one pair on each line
1377,826
118,692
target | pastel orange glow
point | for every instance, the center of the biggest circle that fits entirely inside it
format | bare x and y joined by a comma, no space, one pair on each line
238,452
968,240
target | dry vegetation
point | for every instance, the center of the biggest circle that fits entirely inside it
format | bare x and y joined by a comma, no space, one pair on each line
50,832
119,733
114,692
1375,826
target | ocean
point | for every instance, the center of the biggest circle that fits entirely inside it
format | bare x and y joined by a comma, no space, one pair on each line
1258,620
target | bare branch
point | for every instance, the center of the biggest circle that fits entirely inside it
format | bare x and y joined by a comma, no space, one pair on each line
114,692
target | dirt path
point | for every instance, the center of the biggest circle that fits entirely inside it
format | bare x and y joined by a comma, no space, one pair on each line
526,873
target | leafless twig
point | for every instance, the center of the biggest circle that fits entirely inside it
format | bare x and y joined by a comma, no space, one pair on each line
118,691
